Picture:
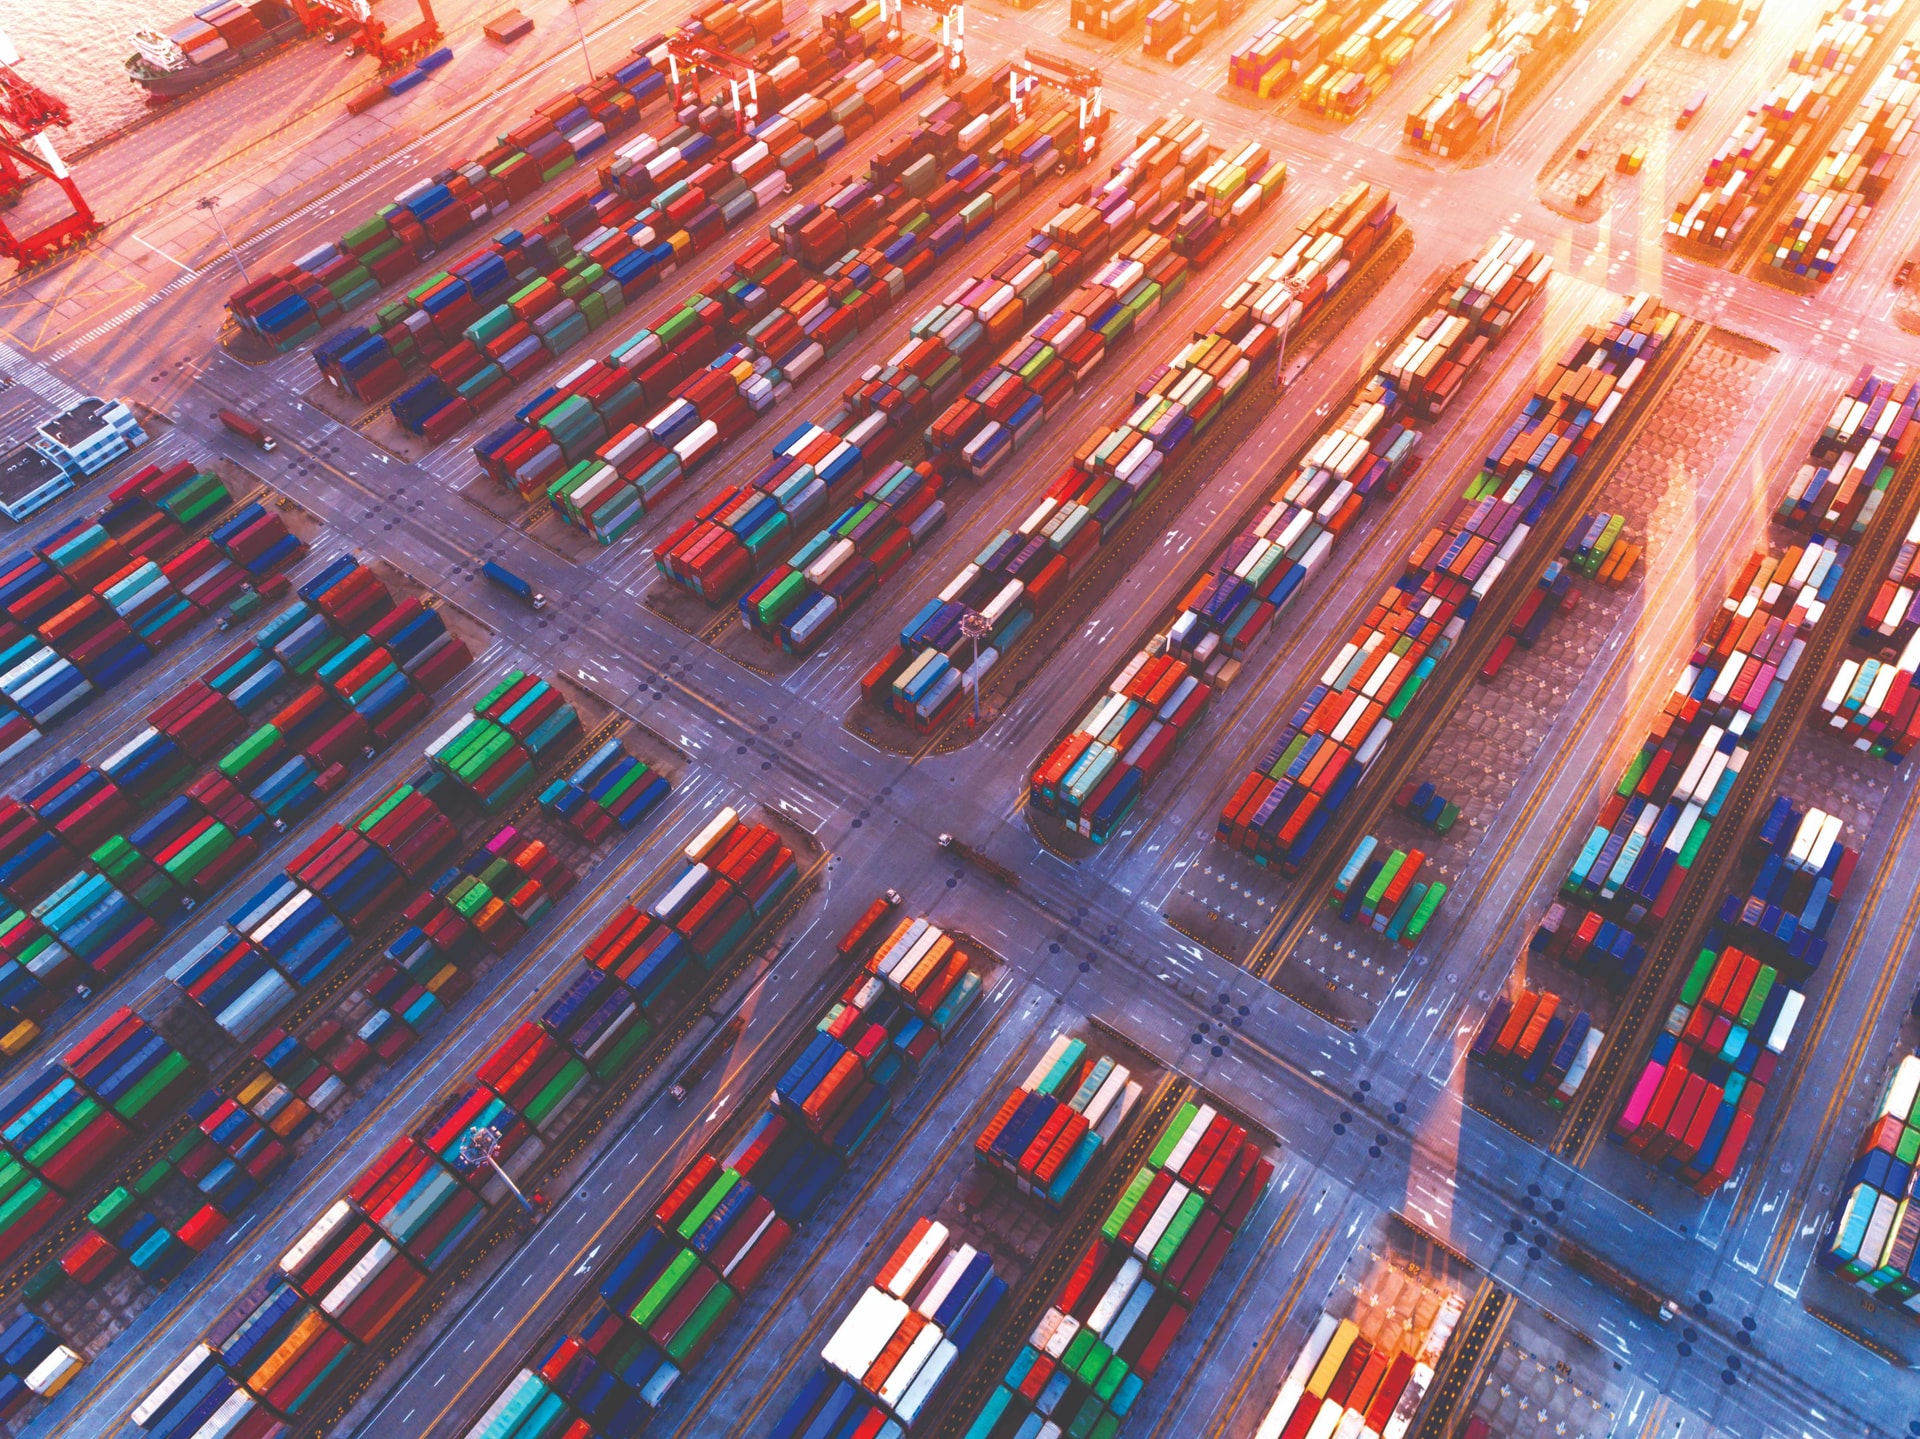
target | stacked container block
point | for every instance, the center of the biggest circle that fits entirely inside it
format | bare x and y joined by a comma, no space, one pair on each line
1870,1234
1048,1132
1340,725
1339,1381
1470,101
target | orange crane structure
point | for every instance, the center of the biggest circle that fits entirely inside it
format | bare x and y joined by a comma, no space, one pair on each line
26,114
391,48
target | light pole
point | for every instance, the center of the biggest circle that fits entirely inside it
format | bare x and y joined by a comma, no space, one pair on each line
482,1147
1280,363
974,626
211,204
573,9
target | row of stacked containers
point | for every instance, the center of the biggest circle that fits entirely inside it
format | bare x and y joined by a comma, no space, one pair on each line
1339,1382
1472,100
244,1131
1005,405
1108,1329
843,466
102,860
729,1216
929,1304
98,597
615,437
975,427
1340,725
1184,202
530,295
1092,779
1812,238
97,860
1637,851
291,304
548,291
1871,1234
1741,177
405,1220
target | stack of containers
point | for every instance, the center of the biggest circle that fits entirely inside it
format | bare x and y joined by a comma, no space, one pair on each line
737,533
1715,27
493,752
927,968
1651,827
610,790
1173,28
33,1361
65,1126
1338,728
1473,97
1286,48
1047,1132
1871,1233
1119,467
1339,1381
1812,238
256,539
931,1301
289,305
1539,1041
1693,1106
1586,940
1107,1330
1106,19
735,874
504,887
549,288
1365,61
1599,548
1367,448
1381,887
1742,174
357,1267
1873,701
1851,463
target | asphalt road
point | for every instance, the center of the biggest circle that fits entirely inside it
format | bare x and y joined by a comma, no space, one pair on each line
782,743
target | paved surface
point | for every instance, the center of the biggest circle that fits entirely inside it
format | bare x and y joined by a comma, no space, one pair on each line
1369,1121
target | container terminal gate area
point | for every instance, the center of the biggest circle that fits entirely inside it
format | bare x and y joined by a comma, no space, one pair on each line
927,721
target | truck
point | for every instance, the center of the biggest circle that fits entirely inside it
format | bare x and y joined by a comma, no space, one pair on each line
513,584
1584,1261
862,928
709,1054
248,430
985,863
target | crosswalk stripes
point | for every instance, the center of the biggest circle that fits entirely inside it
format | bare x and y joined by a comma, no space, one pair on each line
38,378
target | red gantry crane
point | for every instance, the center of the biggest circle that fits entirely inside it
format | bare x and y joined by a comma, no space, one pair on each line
26,114
391,49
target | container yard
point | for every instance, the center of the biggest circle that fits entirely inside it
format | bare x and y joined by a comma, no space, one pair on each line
863,720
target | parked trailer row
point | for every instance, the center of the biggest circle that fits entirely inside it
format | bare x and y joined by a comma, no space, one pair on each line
353,1273
929,1305
1539,1042
93,882
290,305
1693,1105
1093,777
1340,726
1341,1383
1742,175
1833,207
725,1220
776,320
1473,99
1381,886
1358,69
1110,1326
1048,1131
610,789
1639,849
1871,1233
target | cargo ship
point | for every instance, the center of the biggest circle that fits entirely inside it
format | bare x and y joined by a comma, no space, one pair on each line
209,43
